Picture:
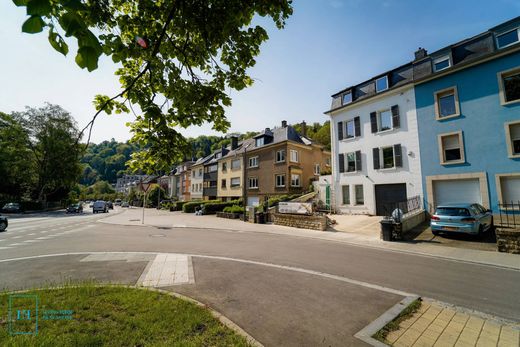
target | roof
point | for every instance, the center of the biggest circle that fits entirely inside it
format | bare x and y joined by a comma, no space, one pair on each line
243,145
459,205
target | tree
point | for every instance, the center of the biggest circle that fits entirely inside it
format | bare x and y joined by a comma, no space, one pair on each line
178,59
52,134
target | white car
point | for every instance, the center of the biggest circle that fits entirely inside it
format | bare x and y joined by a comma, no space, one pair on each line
100,206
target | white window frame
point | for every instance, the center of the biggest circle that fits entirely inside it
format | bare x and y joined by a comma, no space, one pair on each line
346,162
507,32
294,153
347,136
317,169
440,60
379,122
441,148
382,158
231,185
378,79
442,93
343,98
276,180
296,180
509,139
259,142
499,187
255,180
501,88
282,152
254,160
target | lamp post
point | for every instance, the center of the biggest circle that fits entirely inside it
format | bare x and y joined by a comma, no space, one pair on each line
244,188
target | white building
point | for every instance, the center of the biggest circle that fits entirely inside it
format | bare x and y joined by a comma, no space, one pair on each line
197,178
123,183
375,146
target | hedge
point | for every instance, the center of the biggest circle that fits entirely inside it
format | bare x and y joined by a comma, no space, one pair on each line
234,209
179,204
211,208
190,206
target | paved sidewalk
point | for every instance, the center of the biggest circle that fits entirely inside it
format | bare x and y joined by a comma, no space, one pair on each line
437,325
165,219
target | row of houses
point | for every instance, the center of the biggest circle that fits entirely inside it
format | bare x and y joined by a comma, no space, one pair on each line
445,127
275,162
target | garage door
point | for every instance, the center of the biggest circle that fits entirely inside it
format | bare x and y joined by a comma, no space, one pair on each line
510,188
253,201
457,191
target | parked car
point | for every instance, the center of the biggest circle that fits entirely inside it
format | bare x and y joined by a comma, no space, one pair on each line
100,206
12,207
464,218
117,202
125,204
75,208
91,204
3,223
110,205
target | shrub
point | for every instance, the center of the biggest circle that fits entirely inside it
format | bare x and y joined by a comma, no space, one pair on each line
190,206
234,209
213,207
178,205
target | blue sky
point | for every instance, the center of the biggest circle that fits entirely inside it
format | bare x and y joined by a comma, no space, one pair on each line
327,45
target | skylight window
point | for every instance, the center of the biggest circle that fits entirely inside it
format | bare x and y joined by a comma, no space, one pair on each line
507,39
441,63
381,84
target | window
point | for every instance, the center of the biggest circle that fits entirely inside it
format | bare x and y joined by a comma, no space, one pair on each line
223,183
213,184
451,148
235,181
259,142
347,98
345,195
381,84
280,180
253,162
317,169
513,139
507,39
447,103
385,120
441,63
360,198
213,168
351,130
253,183
294,156
224,166
388,157
295,180
351,162
509,84
280,156
193,173
235,164
200,172
327,161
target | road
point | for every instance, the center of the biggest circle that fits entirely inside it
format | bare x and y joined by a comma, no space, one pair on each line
283,290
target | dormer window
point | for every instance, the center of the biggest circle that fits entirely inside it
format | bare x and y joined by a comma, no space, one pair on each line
259,142
441,63
508,38
381,84
347,98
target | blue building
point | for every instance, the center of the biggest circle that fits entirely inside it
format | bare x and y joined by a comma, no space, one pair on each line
468,113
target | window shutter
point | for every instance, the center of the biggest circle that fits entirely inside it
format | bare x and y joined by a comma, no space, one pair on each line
358,161
341,162
375,154
398,156
357,126
340,130
396,122
373,122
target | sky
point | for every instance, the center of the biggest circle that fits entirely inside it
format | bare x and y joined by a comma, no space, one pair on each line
327,45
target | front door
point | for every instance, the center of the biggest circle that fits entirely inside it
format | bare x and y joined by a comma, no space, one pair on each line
389,194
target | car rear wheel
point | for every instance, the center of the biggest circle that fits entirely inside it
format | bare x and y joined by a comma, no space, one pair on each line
3,226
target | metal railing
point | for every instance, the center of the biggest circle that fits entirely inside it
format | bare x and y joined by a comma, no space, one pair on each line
509,214
399,210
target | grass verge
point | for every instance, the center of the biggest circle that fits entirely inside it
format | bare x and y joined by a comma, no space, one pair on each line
113,316
394,324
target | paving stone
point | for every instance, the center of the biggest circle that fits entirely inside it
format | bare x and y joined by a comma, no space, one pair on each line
432,334
406,340
408,322
436,327
509,336
486,342
394,335
475,323
424,341
469,336
423,307
460,318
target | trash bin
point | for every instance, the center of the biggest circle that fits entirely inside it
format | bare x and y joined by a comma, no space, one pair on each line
387,228
260,218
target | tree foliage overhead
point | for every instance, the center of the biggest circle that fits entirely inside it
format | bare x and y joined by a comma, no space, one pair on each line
177,59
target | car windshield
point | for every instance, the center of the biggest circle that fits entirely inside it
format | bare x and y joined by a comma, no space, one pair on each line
452,211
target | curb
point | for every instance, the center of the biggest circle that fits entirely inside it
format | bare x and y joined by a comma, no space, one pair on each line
367,332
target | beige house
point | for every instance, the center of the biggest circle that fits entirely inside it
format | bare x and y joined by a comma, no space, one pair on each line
231,171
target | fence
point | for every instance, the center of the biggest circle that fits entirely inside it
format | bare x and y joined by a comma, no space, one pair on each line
509,214
399,210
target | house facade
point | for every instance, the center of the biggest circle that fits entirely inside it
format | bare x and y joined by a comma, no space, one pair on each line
210,178
282,161
183,181
469,120
197,178
231,171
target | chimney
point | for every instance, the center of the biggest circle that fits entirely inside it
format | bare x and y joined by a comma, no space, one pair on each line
420,53
284,124
304,129
267,130
234,142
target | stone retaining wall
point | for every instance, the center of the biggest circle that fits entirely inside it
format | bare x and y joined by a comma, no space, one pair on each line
301,221
508,240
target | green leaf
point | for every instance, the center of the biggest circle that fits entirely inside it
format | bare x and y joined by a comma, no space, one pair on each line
87,57
39,7
58,43
71,23
20,2
74,5
33,25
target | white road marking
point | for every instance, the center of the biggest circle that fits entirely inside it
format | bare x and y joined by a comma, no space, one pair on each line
166,270
32,241
16,237
16,244
31,234
5,247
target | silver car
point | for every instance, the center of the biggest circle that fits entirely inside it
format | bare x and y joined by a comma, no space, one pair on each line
464,218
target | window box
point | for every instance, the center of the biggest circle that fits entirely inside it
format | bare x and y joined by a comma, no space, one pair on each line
451,148
513,139
447,103
509,86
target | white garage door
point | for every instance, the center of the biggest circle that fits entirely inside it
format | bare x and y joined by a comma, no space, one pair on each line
457,191
510,189
253,201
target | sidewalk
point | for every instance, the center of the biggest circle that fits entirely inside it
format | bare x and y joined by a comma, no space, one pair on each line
436,324
166,219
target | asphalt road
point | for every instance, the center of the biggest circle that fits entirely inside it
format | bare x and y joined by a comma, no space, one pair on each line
283,290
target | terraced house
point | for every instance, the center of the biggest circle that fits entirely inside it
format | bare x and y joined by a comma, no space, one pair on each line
197,178
231,170
282,161
210,179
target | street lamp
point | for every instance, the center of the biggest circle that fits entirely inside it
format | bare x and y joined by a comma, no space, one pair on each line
244,189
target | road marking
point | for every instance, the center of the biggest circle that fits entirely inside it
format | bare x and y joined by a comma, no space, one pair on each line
32,241
43,238
31,234
16,237
16,244
167,270
5,247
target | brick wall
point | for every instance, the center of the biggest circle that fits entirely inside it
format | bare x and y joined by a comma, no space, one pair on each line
508,240
301,221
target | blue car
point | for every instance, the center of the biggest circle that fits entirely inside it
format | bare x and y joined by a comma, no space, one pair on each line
464,218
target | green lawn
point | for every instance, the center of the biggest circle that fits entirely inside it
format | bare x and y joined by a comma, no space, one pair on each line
118,316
